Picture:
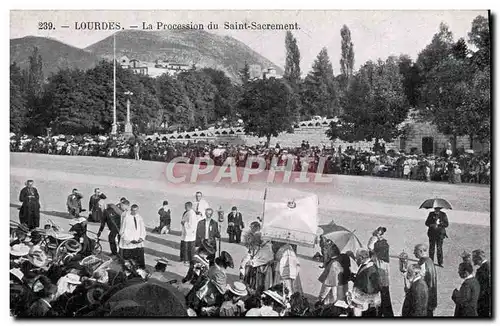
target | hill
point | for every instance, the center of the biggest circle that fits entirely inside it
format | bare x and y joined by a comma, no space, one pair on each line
55,54
185,46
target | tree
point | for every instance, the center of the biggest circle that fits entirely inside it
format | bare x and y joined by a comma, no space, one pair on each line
480,36
175,104
320,89
34,90
226,96
18,109
292,62
245,73
411,78
438,50
347,54
267,107
376,104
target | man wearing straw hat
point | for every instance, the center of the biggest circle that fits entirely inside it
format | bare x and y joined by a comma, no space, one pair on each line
160,268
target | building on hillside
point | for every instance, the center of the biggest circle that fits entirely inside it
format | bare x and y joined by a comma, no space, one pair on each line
134,65
269,73
255,71
172,68
124,62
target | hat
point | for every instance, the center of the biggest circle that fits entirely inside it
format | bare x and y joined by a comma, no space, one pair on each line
19,250
234,208
37,258
238,288
95,294
226,258
73,279
73,246
382,229
79,220
17,273
207,246
275,296
163,261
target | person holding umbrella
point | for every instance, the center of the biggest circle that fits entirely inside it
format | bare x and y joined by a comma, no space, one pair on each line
437,222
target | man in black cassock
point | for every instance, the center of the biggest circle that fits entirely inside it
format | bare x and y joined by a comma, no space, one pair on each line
95,206
29,213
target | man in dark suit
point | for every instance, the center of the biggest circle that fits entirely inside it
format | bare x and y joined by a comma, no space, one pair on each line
367,282
466,298
484,279
437,222
95,207
415,303
207,229
234,225
112,218
430,276
74,203
29,213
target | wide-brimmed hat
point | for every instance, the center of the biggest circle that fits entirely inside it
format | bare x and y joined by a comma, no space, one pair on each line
207,246
73,246
227,259
73,279
95,294
37,258
238,288
19,250
276,297
163,261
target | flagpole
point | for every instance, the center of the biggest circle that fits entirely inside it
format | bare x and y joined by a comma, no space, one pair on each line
114,127
264,206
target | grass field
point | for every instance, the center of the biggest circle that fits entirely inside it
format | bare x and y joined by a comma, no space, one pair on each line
358,203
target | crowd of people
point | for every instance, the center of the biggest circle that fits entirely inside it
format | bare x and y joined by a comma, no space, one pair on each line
51,275
463,166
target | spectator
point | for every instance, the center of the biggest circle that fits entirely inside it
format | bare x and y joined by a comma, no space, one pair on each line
467,296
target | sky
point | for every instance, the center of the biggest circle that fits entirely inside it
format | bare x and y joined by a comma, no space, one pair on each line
375,34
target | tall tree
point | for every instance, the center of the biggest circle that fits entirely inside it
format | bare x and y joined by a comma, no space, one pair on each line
267,107
320,89
245,73
376,104
411,78
347,54
18,109
292,62
480,37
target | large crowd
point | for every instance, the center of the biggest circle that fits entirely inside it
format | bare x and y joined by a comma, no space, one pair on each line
464,166
53,273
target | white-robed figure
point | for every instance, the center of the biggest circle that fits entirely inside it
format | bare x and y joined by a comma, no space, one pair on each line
200,206
287,268
256,266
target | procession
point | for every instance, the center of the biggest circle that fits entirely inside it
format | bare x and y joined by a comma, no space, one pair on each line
196,173
67,274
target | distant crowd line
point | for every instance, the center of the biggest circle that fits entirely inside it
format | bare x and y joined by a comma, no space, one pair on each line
461,167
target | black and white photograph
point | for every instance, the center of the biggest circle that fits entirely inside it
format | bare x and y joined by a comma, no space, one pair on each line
250,163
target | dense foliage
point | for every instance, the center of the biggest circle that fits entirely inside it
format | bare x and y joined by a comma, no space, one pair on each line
448,84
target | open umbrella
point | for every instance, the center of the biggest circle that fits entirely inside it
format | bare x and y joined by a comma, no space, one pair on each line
344,239
153,297
436,203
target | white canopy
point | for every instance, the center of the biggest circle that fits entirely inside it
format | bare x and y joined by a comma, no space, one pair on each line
290,216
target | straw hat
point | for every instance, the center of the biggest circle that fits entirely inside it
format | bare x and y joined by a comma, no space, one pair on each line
73,246
19,250
17,273
37,257
163,261
276,297
238,288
